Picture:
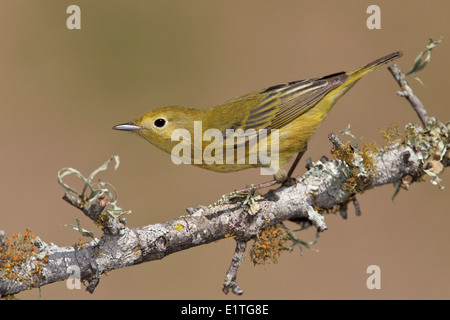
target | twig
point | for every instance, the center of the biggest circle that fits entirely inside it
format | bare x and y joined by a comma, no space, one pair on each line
230,282
335,141
94,210
409,94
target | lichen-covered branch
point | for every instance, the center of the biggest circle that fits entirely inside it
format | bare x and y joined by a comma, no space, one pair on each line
28,262
325,185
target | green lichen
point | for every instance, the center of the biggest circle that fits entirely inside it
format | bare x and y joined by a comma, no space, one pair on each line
248,199
359,166
432,146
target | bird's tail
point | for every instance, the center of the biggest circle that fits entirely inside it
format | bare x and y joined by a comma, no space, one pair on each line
357,74
354,76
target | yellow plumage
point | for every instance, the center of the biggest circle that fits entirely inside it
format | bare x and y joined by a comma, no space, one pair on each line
295,109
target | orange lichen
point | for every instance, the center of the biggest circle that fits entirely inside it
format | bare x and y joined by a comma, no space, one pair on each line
15,252
269,244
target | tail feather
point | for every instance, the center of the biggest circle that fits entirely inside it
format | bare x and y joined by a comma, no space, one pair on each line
354,76
357,74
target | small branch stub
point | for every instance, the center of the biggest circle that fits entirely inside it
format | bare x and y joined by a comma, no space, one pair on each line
230,282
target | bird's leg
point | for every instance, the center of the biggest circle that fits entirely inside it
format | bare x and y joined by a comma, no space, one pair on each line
288,180
296,161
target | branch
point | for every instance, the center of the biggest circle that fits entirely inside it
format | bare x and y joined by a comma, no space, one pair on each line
230,279
325,186
408,93
319,189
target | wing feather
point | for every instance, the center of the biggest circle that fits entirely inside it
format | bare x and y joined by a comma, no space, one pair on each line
279,105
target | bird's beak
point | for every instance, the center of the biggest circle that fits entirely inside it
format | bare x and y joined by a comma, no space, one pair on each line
127,127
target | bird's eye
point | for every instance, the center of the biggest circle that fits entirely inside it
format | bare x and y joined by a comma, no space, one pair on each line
160,123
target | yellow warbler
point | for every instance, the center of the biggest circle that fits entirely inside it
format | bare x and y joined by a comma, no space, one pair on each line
292,110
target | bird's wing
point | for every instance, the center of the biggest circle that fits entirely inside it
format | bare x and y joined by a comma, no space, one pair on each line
276,106
293,99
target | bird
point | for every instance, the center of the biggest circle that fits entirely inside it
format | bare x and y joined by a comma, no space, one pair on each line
290,111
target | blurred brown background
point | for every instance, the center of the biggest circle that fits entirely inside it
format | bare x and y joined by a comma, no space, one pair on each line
62,90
